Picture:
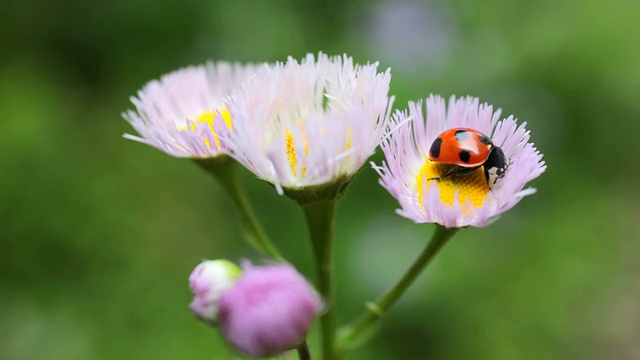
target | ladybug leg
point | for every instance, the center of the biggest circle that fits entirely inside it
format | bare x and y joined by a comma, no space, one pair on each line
455,170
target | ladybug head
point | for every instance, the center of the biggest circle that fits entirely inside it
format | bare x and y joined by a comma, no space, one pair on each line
495,166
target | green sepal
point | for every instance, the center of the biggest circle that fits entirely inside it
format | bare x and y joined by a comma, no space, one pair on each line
333,190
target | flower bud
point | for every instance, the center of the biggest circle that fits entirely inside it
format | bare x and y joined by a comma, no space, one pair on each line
207,282
269,310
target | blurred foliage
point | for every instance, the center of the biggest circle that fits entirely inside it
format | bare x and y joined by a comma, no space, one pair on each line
98,234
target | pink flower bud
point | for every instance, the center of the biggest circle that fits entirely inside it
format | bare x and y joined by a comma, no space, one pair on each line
207,281
269,310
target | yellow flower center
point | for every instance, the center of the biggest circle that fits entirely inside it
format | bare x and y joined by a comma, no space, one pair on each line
471,187
291,149
291,152
208,118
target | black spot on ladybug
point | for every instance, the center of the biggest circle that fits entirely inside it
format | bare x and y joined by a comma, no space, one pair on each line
465,156
435,148
462,135
485,140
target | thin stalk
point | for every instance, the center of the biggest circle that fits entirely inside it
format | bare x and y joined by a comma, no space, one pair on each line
224,170
319,216
303,351
376,310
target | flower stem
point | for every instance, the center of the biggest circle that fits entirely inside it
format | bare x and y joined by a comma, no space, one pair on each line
303,351
223,168
354,334
319,216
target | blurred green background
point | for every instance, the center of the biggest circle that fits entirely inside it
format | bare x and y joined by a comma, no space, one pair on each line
98,234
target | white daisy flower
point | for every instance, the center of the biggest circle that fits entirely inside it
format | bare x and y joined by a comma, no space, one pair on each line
425,189
176,113
310,123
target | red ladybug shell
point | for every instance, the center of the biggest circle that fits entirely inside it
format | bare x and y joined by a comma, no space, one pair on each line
461,146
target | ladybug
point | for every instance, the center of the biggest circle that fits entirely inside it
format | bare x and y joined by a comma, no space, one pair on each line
467,150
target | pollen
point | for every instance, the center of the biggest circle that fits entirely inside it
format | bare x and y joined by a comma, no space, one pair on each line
208,118
471,187
291,152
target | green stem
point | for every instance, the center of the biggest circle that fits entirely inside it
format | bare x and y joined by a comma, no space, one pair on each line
223,168
375,311
319,216
303,351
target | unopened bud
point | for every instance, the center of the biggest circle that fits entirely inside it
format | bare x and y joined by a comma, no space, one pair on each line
207,282
268,310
